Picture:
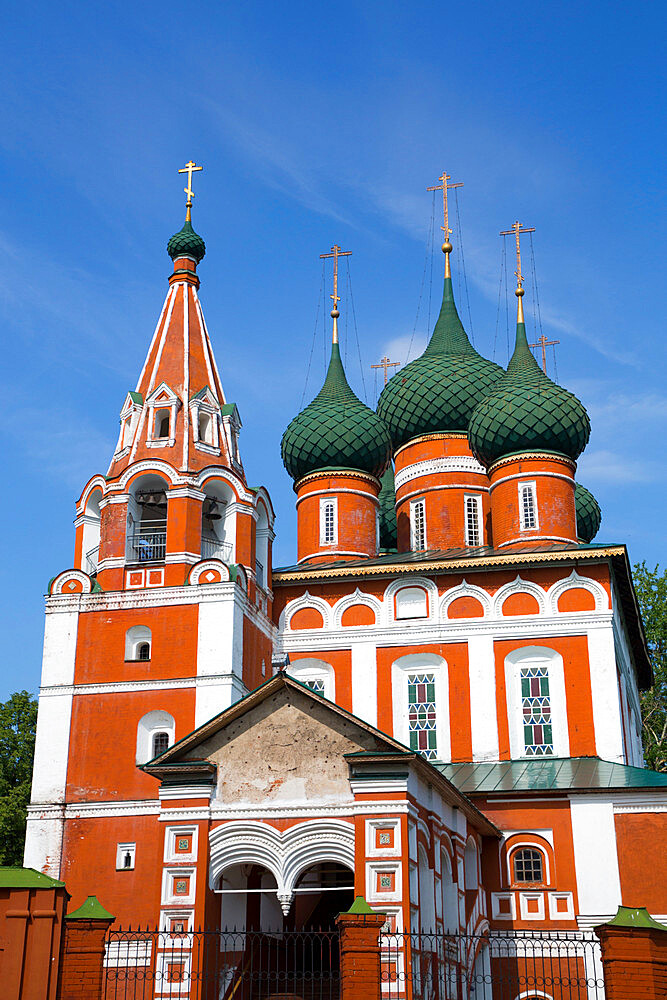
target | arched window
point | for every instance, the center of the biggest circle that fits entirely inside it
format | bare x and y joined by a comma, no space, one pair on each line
528,866
315,674
420,704
156,729
218,525
147,520
470,864
537,709
450,896
138,643
160,743
205,428
91,533
411,602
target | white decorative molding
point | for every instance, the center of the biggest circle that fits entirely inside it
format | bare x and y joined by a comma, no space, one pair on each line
305,600
285,854
653,802
94,810
349,601
208,566
466,589
66,582
213,472
154,466
98,482
574,581
412,581
435,466
519,586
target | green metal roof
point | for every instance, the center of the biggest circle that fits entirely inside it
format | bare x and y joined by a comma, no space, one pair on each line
136,397
589,515
26,878
526,411
439,390
92,909
186,243
550,775
336,431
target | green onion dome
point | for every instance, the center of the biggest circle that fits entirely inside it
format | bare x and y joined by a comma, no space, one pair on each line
589,515
336,431
439,390
387,512
186,243
527,412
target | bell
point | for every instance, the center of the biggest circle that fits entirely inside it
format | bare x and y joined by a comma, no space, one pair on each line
212,512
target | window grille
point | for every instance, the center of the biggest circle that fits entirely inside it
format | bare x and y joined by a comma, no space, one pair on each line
536,707
472,526
418,525
528,865
143,651
421,715
316,684
160,743
328,534
527,506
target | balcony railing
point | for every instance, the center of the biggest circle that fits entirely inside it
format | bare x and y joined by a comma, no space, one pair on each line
147,545
91,560
213,548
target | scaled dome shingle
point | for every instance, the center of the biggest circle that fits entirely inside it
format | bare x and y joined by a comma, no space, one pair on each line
336,431
439,390
186,243
589,515
527,412
387,501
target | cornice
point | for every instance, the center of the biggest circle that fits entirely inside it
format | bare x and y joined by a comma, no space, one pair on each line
435,436
439,466
447,566
532,456
338,474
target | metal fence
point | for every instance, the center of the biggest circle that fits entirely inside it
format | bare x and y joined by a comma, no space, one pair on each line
561,965
221,965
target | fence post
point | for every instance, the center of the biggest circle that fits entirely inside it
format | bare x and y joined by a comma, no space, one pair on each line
82,958
634,955
360,970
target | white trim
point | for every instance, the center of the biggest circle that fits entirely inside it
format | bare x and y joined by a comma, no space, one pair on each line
528,488
537,474
327,493
526,656
171,835
371,828
305,600
466,589
402,669
350,601
328,521
331,553
535,538
572,582
311,669
423,540
439,466
519,586
554,913
178,792
495,905
479,522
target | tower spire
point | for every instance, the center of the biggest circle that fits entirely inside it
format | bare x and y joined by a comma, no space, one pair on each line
445,186
517,228
336,252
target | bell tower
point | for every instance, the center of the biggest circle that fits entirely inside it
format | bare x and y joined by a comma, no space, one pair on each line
165,618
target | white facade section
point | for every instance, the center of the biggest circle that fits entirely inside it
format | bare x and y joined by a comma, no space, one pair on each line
43,840
364,681
595,856
605,695
219,655
483,711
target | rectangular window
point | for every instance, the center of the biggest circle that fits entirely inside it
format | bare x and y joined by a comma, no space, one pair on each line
536,708
418,525
473,520
527,506
328,525
421,715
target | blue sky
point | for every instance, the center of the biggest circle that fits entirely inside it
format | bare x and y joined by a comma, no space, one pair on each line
318,125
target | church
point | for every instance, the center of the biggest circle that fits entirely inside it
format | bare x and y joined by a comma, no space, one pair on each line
436,707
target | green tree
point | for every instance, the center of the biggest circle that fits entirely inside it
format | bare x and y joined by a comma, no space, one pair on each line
18,720
651,588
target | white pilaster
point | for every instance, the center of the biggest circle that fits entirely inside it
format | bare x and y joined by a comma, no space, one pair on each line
219,655
595,855
364,681
483,710
605,695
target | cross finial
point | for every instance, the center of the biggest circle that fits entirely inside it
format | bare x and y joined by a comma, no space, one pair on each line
544,343
386,364
516,229
189,169
445,186
335,252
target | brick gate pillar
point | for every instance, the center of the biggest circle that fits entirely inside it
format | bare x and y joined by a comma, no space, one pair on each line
634,955
81,974
360,970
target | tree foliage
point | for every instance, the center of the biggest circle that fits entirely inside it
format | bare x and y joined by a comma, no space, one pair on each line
651,588
18,720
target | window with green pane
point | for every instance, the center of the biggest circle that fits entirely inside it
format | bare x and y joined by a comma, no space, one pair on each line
421,715
536,709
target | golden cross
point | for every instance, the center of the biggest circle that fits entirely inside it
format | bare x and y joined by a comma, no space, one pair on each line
445,186
544,343
336,252
189,169
386,364
516,229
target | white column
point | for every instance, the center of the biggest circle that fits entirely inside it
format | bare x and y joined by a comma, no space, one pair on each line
605,694
483,710
219,654
595,855
44,830
365,682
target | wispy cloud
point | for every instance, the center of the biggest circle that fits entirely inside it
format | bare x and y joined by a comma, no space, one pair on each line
605,466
